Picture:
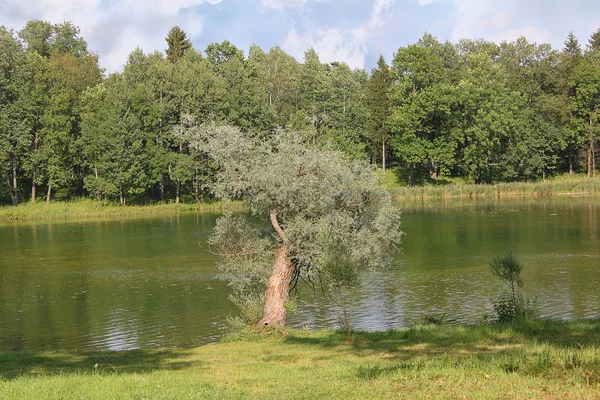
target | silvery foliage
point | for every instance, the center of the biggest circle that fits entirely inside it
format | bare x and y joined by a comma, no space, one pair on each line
337,219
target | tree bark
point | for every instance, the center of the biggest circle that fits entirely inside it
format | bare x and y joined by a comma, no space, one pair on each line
96,174
411,175
278,287
434,171
161,188
591,166
177,189
48,194
14,194
196,191
571,163
33,185
383,154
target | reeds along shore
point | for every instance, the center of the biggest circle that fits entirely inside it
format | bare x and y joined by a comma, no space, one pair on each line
87,208
572,187
92,209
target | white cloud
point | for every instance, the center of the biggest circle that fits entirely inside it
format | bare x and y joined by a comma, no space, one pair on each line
283,4
382,5
379,8
532,33
497,21
112,28
470,16
332,44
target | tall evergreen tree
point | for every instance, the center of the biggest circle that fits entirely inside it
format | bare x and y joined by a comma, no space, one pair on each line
380,83
313,90
177,44
569,60
594,42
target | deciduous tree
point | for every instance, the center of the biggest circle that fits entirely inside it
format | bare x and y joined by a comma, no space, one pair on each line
312,211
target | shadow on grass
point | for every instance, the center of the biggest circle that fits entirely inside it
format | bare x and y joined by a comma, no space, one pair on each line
16,364
431,340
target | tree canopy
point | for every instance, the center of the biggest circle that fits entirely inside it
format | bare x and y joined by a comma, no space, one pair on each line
177,43
474,110
314,214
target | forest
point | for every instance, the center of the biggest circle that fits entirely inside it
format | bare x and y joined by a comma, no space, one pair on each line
473,110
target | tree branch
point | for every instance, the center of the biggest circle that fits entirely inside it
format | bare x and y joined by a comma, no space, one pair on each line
276,225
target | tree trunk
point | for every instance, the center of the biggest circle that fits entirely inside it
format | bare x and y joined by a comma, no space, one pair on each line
14,194
161,188
590,160
121,199
97,191
278,289
411,175
33,186
434,171
12,197
383,154
49,193
196,191
177,189
571,163
592,142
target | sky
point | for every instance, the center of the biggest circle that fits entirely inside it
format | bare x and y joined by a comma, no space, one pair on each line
353,31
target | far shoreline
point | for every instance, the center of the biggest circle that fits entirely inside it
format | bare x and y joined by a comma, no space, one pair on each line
86,209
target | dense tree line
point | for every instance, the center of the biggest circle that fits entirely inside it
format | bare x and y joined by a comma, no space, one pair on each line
474,109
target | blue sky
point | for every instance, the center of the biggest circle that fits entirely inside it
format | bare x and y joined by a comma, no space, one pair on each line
354,31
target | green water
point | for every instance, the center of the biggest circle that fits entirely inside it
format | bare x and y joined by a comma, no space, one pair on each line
150,282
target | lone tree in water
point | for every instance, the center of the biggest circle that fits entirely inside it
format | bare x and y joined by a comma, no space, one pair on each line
177,43
314,215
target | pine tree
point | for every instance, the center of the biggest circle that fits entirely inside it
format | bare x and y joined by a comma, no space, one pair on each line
594,42
178,43
570,59
379,104
572,47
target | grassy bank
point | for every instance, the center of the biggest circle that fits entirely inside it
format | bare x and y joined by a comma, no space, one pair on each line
93,209
560,186
537,359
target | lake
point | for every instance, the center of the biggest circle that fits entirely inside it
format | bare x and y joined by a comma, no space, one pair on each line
150,282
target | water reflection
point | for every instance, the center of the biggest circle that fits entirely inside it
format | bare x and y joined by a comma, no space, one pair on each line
123,284
444,266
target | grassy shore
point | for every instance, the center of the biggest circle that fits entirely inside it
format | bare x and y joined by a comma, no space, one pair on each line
559,186
525,360
93,209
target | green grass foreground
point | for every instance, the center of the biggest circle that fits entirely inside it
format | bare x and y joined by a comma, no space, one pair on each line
93,209
525,360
